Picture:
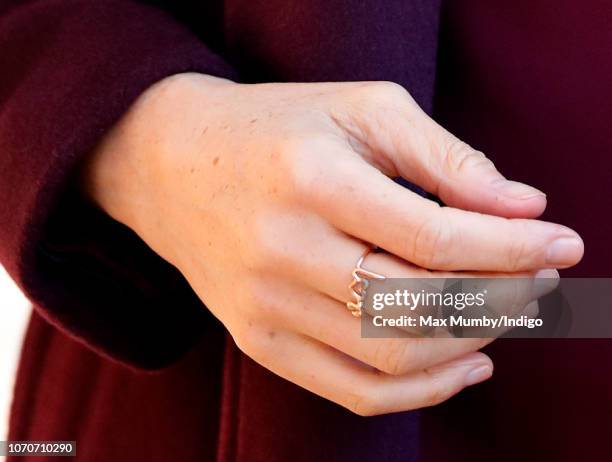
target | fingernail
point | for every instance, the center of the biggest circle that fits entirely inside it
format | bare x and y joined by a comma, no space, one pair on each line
518,190
477,375
564,251
532,310
544,282
547,274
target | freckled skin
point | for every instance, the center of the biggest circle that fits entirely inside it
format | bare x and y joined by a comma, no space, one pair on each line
268,236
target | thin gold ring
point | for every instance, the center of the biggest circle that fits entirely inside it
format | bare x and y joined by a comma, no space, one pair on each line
360,283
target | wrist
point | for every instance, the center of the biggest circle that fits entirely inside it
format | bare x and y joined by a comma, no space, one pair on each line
126,172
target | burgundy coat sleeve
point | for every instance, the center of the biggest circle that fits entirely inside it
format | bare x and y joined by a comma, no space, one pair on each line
68,70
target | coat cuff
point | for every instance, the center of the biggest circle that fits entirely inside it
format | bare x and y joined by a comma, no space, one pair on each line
70,70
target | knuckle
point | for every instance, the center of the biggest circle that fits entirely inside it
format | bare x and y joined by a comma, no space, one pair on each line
314,182
517,253
394,357
438,391
268,247
262,302
256,298
250,341
432,242
261,341
382,93
364,404
305,174
459,157
390,90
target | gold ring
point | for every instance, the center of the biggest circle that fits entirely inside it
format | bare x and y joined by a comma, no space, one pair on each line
359,284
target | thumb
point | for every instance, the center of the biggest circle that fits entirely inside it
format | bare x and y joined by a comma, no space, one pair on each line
426,154
461,176
466,178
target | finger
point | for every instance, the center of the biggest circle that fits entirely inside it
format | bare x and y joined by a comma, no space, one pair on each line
391,124
530,311
329,322
322,258
365,391
363,203
462,176
501,300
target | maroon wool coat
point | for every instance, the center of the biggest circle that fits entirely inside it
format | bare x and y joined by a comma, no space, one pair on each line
122,357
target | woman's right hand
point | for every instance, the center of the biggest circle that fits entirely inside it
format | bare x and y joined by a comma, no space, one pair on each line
264,197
